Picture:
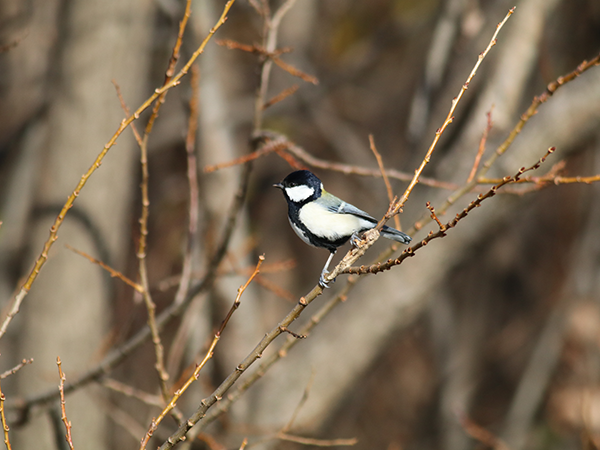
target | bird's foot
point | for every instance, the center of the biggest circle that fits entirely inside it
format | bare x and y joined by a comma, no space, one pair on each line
325,284
355,240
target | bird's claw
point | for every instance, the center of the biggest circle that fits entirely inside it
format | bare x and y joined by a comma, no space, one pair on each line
355,240
325,284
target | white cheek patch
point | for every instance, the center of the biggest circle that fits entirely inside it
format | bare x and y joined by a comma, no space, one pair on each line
299,193
331,225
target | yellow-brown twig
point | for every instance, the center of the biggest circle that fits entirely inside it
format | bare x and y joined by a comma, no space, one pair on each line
125,108
293,71
386,180
435,217
41,260
5,427
481,148
548,179
61,388
281,96
179,392
113,273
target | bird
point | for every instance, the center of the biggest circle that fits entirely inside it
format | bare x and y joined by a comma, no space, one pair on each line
323,220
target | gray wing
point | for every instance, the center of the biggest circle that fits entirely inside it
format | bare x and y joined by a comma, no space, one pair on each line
339,206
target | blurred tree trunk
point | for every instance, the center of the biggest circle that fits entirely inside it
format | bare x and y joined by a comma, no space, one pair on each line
68,310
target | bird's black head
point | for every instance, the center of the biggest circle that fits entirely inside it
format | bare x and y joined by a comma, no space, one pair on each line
300,187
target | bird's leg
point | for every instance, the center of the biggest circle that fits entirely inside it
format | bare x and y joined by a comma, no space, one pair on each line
324,284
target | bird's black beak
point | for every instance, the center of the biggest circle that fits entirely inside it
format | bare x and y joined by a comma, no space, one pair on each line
278,185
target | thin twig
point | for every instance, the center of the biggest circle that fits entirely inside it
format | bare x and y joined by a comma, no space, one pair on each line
386,180
548,179
5,427
290,332
294,72
192,175
15,369
144,397
434,216
300,404
317,442
61,388
281,96
113,273
481,148
125,109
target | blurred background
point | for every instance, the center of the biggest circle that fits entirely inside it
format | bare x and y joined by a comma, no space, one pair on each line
487,338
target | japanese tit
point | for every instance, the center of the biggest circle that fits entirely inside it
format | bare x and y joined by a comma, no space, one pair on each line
322,220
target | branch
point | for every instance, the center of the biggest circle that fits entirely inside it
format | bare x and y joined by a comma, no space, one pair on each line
410,251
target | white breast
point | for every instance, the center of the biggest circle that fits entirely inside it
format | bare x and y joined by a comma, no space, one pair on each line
330,225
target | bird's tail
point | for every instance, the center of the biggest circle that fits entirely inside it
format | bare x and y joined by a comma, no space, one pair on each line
395,235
